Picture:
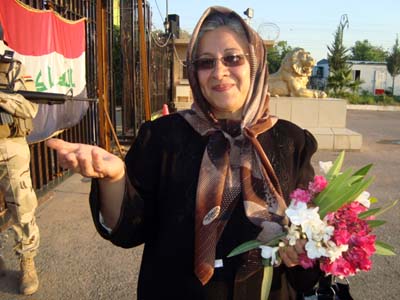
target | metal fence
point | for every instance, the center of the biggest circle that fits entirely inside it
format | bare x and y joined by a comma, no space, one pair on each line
45,168
131,83
124,77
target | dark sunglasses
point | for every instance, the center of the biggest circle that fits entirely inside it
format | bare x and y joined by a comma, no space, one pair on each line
230,60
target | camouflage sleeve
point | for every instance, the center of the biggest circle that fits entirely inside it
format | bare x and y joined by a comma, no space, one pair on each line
18,106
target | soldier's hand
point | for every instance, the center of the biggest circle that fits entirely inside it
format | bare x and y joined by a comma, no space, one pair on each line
89,161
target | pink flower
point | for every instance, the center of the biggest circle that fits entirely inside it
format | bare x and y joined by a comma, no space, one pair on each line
341,237
358,258
318,185
305,261
340,267
357,207
366,242
299,195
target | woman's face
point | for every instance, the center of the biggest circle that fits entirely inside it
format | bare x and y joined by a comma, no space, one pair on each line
224,87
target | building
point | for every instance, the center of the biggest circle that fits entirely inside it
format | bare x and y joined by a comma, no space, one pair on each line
374,76
182,95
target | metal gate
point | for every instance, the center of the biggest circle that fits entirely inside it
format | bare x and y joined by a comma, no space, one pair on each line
45,168
121,70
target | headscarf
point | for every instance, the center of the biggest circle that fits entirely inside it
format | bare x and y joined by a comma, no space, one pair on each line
234,164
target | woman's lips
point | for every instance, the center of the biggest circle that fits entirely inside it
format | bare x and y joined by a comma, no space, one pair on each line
222,87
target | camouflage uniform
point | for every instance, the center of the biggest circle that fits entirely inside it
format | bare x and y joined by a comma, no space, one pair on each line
15,180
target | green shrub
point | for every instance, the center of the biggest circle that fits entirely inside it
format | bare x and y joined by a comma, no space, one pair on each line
367,98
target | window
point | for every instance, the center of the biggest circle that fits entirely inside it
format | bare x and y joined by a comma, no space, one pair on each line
357,74
320,72
184,70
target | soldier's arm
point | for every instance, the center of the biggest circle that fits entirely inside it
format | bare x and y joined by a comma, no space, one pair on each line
18,106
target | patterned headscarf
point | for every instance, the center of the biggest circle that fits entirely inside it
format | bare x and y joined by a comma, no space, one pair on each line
234,164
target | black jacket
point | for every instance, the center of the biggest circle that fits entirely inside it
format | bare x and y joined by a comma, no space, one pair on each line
159,206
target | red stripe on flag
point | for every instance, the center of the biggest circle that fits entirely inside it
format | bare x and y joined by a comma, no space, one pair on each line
35,32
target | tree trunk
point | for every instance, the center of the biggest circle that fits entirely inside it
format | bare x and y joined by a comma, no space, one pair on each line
394,77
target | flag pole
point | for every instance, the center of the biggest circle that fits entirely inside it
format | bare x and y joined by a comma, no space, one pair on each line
144,64
102,74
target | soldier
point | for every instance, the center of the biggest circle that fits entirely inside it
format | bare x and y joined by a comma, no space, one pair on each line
16,115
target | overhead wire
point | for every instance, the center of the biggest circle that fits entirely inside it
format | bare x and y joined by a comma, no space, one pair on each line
157,42
179,59
159,11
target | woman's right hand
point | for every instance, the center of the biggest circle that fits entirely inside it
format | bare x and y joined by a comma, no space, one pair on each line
89,161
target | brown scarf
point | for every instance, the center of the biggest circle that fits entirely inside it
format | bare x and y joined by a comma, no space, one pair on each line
234,163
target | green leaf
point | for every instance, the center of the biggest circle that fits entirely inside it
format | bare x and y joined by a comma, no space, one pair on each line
373,200
337,165
355,179
369,212
342,188
266,282
333,189
247,246
375,223
348,194
266,262
275,240
383,210
363,171
253,244
342,194
384,249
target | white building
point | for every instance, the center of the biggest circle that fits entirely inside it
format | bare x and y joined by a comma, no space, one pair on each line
374,75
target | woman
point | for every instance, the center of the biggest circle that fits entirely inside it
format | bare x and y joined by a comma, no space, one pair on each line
198,183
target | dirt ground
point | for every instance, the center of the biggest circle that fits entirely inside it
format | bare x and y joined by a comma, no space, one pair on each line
76,263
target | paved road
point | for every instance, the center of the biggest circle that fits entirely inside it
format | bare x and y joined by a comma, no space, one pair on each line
75,263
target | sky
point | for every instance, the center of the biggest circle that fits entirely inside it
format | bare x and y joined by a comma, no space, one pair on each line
308,24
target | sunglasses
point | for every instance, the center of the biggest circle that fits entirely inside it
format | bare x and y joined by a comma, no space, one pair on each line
230,60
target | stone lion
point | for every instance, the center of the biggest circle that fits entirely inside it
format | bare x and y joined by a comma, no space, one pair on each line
292,77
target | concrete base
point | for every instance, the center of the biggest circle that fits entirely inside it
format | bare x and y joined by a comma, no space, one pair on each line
324,118
337,138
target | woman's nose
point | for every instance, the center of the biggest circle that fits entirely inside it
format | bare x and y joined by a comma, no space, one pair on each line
220,70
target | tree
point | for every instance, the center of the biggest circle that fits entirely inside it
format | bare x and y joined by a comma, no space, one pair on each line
337,56
184,34
340,78
363,50
393,62
276,54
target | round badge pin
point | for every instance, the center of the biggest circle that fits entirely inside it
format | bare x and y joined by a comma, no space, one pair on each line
211,215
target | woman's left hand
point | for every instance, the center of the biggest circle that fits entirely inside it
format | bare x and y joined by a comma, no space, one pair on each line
290,254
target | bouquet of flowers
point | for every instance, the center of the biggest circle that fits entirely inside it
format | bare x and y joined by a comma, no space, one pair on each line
334,217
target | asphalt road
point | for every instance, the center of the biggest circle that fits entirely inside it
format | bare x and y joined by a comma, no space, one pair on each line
76,263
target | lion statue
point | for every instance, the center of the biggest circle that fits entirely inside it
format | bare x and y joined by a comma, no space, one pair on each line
292,77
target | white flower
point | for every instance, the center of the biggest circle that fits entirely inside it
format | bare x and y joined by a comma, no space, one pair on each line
315,249
334,252
325,166
299,213
293,234
327,232
318,230
363,198
269,252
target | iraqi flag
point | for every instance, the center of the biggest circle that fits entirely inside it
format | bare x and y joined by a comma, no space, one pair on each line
52,49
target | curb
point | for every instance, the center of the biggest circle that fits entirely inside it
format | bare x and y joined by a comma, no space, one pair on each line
373,107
